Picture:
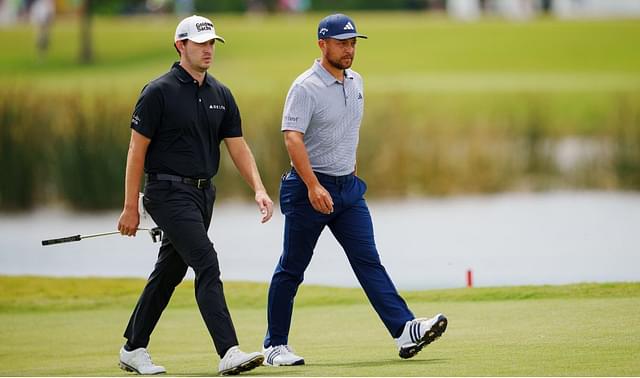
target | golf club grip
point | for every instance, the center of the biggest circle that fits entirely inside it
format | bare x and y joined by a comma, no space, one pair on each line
61,240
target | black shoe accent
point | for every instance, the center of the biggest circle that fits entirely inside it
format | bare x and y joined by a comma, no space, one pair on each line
128,368
249,365
430,336
131,369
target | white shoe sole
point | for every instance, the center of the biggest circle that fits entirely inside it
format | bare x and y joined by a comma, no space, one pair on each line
245,366
436,330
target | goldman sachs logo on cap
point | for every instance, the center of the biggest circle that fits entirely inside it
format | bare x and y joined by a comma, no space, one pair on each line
202,26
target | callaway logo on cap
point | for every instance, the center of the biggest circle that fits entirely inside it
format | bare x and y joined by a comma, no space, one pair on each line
197,29
338,26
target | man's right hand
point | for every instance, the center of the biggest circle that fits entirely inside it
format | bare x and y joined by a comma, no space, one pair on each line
320,199
130,218
128,222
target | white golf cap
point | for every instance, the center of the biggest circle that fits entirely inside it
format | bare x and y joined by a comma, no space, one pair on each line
197,29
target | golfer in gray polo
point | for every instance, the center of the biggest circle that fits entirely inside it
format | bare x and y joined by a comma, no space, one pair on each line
321,123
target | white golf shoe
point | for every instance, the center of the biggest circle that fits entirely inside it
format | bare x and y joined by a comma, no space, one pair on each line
281,355
419,333
236,361
139,361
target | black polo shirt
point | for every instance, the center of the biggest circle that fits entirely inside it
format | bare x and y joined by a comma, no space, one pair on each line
186,123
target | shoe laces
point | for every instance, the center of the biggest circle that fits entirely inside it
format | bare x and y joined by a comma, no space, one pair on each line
146,358
285,349
233,352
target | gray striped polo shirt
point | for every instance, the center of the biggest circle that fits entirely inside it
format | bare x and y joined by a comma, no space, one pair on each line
328,113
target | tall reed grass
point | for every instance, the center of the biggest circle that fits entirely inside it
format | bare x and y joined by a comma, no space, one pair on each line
71,148
61,148
626,123
24,131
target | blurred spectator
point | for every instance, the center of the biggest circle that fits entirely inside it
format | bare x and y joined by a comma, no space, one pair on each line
156,6
294,5
596,8
465,10
9,11
515,9
41,15
260,6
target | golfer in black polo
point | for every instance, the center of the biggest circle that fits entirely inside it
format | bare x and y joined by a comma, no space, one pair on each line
177,126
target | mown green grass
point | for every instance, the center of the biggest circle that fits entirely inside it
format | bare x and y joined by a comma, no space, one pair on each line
401,47
74,327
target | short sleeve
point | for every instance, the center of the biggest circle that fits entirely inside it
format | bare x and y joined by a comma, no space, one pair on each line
298,109
147,114
232,123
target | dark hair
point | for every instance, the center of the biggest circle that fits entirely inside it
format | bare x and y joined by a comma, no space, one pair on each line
175,45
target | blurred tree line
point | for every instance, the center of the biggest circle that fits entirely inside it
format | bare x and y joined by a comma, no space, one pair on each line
205,6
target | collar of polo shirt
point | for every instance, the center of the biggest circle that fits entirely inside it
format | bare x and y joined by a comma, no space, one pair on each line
184,76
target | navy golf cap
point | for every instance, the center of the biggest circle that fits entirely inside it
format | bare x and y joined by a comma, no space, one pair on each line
338,26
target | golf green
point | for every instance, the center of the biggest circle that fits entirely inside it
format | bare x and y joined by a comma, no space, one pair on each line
56,327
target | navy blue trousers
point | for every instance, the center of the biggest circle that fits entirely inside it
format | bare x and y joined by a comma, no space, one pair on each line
183,212
351,225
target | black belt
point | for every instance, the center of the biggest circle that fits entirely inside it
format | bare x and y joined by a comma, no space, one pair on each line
334,179
201,183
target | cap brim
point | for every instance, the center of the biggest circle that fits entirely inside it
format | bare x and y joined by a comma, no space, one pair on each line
348,36
206,37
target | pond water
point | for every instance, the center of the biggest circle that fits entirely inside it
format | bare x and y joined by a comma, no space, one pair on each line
507,239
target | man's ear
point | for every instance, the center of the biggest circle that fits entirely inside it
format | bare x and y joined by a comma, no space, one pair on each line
179,45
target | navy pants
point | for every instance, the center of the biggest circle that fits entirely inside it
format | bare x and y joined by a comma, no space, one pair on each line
183,212
351,225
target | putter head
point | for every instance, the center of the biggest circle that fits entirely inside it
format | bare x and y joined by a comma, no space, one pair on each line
156,234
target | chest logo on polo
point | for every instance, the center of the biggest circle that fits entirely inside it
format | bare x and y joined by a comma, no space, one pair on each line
359,96
217,107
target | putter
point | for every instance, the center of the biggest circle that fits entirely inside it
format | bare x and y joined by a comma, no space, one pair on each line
155,233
